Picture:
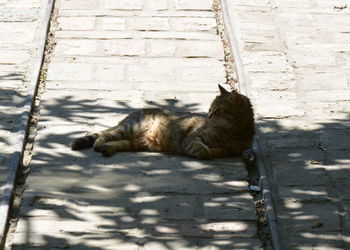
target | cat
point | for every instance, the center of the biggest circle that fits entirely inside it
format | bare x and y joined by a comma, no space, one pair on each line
227,130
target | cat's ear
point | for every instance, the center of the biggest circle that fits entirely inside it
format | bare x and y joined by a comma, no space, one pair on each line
222,90
234,97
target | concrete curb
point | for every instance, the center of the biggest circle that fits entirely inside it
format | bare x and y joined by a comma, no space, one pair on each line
24,120
270,211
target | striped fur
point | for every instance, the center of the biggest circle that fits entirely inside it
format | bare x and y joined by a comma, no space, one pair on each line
227,130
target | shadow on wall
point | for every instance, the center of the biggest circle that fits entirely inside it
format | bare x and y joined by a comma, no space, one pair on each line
311,168
79,199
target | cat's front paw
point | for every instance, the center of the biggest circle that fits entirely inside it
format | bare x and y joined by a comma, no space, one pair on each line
106,151
99,143
203,154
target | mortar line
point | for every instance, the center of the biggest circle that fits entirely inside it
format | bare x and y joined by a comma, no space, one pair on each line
17,156
268,200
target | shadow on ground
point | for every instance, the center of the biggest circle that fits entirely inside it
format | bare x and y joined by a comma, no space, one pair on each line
11,103
311,168
81,200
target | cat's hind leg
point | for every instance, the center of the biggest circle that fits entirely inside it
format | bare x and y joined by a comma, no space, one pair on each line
111,134
112,147
96,140
84,142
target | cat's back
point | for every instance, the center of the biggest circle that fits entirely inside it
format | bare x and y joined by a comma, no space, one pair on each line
163,129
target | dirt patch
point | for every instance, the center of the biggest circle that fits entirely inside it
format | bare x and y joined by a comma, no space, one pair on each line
231,76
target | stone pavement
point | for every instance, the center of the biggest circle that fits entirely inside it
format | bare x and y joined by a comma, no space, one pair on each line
296,60
110,58
19,23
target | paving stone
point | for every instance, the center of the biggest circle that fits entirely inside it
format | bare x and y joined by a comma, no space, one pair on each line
76,47
227,229
158,4
124,4
199,49
150,73
13,15
193,4
63,71
152,24
162,48
123,47
96,35
316,240
77,5
17,31
304,193
76,23
110,73
307,217
194,24
13,57
236,243
112,23
192,74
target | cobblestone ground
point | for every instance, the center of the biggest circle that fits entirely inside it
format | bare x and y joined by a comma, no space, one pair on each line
296,57
110,58
19,21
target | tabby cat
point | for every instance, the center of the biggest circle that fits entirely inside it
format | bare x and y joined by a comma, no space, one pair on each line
227,130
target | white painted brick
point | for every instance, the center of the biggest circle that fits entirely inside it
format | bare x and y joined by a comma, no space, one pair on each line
328,95
112,23
309,59
76,47
270,108
158,4
124,47
311,79
76,23
123,4
162,48
196,74
17,31
96,35
200,49
179,35
265,61
275,95
109,73
272,80
193,4
194,24
78,5
150,73
153,24
69,71
293,19
13,57
294,4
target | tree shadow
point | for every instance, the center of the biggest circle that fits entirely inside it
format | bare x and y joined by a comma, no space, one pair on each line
309,169
11,104
79,199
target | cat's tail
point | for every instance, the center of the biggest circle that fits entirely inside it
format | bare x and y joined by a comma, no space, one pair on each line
83,142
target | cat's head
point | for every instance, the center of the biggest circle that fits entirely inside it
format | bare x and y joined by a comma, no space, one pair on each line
229,110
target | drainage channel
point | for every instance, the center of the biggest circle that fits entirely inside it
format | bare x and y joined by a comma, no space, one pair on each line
264,200
27,121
